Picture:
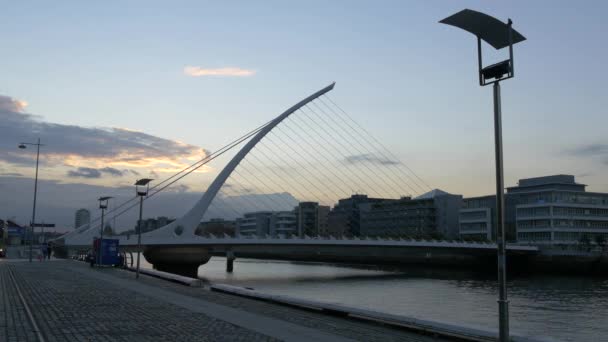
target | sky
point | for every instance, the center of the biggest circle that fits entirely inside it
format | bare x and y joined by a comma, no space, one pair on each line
124,89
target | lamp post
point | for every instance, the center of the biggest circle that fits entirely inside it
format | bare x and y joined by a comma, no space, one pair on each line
141,188
23,145
103,205
499,35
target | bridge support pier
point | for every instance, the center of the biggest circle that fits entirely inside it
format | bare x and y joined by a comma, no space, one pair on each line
178,260
230,261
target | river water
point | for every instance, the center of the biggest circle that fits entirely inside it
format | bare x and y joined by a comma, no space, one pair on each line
562,308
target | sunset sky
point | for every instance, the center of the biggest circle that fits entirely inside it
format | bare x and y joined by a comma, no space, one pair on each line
119,90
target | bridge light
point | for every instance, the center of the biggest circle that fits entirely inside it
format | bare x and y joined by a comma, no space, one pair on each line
103,205
142,186
499,35
103,202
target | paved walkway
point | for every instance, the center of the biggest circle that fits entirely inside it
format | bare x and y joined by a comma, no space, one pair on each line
69,301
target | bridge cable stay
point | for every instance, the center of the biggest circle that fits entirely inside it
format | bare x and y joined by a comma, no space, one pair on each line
283,176
363,172
269,199
315,157
378,147
259,180
343,167
300,168
246,195
367,135
366,151
390,163
364,175
184,172
222,206
310,177
343,141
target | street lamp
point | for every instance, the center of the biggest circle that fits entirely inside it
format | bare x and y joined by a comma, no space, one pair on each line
141,188
499,35
103,205
23,146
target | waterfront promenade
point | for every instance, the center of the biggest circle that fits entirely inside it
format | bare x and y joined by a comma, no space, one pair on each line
64,300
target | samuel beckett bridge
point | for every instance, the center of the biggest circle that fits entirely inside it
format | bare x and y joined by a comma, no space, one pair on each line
313,152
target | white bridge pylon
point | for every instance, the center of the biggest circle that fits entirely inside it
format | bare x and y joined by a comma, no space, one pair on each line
184,227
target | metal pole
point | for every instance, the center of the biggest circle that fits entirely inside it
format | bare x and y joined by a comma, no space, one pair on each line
100,238
141,207
503,303
35,194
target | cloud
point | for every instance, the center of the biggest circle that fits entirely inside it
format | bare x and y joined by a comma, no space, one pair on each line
11,174
85,172
590,150
11,105
89,172
114,149
596,150
369,158
195,71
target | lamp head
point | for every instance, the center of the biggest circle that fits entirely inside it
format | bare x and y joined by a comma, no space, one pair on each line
142,186
103,202
494,32
22,146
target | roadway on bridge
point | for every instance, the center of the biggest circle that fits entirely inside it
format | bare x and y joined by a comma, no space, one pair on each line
69,301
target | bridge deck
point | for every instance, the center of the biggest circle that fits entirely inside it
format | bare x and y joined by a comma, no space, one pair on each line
70,301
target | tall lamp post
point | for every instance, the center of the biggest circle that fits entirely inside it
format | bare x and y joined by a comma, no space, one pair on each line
103,205
141,188
499,35
24,145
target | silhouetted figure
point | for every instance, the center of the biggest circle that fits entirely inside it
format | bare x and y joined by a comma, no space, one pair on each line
49,250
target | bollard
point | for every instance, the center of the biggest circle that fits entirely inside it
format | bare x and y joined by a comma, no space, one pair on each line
230,261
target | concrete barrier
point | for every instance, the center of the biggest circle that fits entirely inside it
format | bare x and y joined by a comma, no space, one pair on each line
170,276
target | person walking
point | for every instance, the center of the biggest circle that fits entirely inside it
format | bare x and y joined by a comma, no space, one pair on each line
49,250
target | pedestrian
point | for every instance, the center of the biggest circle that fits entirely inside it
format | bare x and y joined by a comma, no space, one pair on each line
49,250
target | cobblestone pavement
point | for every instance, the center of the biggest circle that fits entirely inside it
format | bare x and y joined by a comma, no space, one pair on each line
14,324
71,302
71,307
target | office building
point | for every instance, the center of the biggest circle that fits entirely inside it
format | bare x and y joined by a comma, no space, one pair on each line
541,210
344,218
311,219
433,214
557,210
263,223
216,226
81,218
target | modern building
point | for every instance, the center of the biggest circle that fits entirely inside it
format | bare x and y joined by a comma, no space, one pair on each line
150,224
557,210
433,214
283,223
477,218
82,217
311,219
541,210
262,223
216,226
254,224
344,218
